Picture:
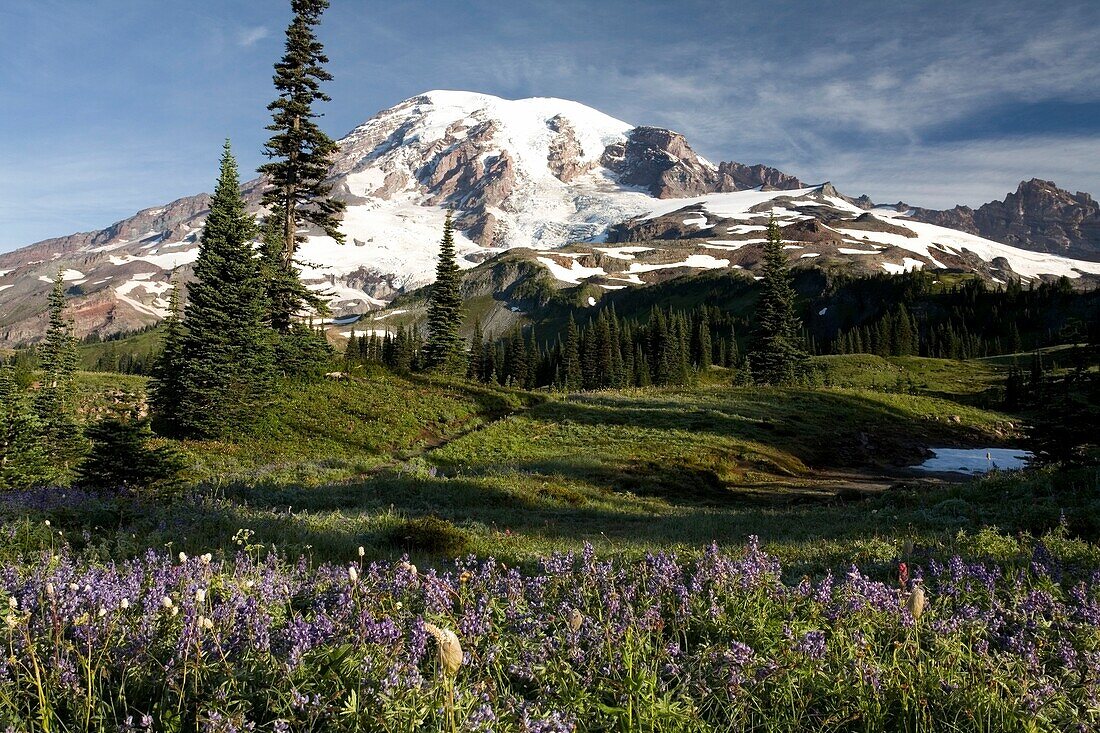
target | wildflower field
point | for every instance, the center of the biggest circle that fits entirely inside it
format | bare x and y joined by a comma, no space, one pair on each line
714,642
304,577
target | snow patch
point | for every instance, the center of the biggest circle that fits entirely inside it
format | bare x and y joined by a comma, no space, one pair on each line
622,253
572,274
705,262
907,264
169,261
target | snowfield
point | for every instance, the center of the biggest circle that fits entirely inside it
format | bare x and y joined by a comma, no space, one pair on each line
387,169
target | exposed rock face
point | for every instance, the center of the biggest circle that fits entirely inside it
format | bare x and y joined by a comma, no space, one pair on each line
662,162
1039,216
565,157
532,173
738,177
373,283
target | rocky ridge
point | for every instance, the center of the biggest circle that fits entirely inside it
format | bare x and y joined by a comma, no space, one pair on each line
535,173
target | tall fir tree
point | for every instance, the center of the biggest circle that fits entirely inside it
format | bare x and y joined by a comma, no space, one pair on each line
778,355
227,358
475,368
166,384
445,349
55,402
300,154
23,459
123,458
572,370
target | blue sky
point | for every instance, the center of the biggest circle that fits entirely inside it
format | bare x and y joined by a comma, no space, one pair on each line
115,105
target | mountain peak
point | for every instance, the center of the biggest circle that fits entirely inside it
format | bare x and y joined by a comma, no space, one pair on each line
537,173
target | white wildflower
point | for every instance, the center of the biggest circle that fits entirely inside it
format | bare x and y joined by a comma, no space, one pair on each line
916,603
448,648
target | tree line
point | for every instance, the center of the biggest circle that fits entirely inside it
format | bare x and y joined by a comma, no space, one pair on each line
663,347
965,321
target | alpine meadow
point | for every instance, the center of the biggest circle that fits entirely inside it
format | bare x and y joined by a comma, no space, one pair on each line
499,413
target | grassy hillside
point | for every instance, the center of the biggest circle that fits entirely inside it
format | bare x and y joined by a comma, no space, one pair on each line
437,469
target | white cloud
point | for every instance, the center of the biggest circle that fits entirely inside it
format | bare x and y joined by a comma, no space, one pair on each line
251,36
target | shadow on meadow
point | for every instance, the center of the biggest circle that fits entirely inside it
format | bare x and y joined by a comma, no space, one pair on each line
820,427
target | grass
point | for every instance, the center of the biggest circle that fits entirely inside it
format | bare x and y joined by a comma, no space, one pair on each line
339,429
972,381
145,345
434,469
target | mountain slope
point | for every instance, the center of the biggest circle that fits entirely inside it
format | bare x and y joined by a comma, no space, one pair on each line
537,173
1038,216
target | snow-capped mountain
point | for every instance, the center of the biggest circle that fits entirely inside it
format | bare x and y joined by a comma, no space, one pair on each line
537,173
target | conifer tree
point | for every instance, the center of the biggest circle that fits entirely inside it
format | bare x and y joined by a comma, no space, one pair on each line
23,460
702,349
300,154
572,373
778,356
445,348
122,459
166,385
626,349
475,368
227,357
534,356
603,346
55,402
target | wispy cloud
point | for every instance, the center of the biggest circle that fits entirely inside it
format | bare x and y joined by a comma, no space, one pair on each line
251,36
938,102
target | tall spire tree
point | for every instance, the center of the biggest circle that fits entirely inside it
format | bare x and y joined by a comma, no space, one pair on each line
23,461
226,360
445,348
55,403
572,376
778,355
300,154
166,385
